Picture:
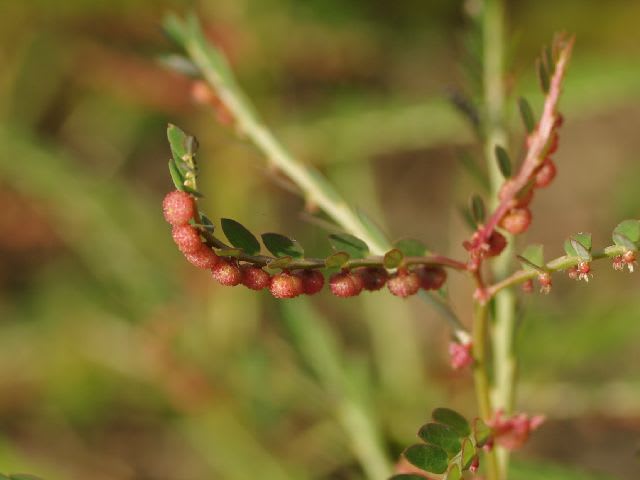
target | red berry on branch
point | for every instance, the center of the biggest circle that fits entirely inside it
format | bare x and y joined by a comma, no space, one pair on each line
187,238
286,285
404,283
227,273
516,221
373,278
496,244
254,277
346,284
554,141
312,281
546,173
178,208
431,277
204,257
559,121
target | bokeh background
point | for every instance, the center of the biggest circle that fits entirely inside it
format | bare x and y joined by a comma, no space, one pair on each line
119,361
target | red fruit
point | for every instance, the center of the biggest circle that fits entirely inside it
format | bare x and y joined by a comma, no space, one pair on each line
431,277
187,238
373,278
285,285
346,284
546,174
553,143
254,277
496,244
178,208
559,121
516,221
227,273
527,287
404,284
204,257
312,281
521,199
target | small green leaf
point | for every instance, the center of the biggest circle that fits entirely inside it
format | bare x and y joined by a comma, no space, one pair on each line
281,262
239,236
533,257
624,241
579,245
343,242
173,27
543,76
177,142
504,162
229,252
207,224
526,113
481,432
477,209
393,259
337,260
467,453
429,458
410,247
176,176
281,246
630,229
442,436
452,419
179,64
453,472
466,216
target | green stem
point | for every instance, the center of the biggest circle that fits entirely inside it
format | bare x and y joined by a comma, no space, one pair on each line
481,379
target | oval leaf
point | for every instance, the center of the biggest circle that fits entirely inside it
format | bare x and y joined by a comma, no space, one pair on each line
630,229
393,259
477,209
176,176
532,258
343,242
429,458
467,453
281,246
452,419
543,76
337,260
623,241
579,245
481,432
504,162
239,236
453,473
410,247
526,113
442,436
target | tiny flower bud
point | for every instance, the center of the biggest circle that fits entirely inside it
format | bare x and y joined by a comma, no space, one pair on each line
227,273
546,173
187,238
584,271
516,221
545,282
460,355
404,283
312,281
475,464
373,278
527,287
346,284
178,208
513,432
204,257
254,277
618,263
285,285
431,277
629,258
572,272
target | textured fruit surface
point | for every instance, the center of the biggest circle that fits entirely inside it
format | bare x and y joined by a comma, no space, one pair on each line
254,277
546,174
204,257
312,281
372,278
187,238
178,207
516,221
285,285
346,284
227,273
404,284
431,277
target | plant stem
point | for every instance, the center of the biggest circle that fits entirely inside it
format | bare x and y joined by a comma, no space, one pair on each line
481,379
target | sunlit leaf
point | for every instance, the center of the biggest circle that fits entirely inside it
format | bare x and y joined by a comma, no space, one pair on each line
452,419
239,236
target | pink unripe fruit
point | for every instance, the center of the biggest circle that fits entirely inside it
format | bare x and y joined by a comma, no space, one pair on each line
254,277
285,285
516,221
312,281
178,208
431,277
204,257
227,273
346,284
546,174
404,283
187,238
373,278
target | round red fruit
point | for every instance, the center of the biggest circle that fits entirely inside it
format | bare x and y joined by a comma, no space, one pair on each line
373,278
204,257
285,285
346,284
187,238
404,284
227,273
546,174
312,281
178,208
254,277
516,221
497,243
431,277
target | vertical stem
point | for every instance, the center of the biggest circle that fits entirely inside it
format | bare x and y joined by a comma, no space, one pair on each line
502,331
481,379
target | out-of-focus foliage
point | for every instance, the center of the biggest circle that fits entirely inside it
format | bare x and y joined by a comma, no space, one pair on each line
119,361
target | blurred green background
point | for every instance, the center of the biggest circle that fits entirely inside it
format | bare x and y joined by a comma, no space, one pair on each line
120,361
